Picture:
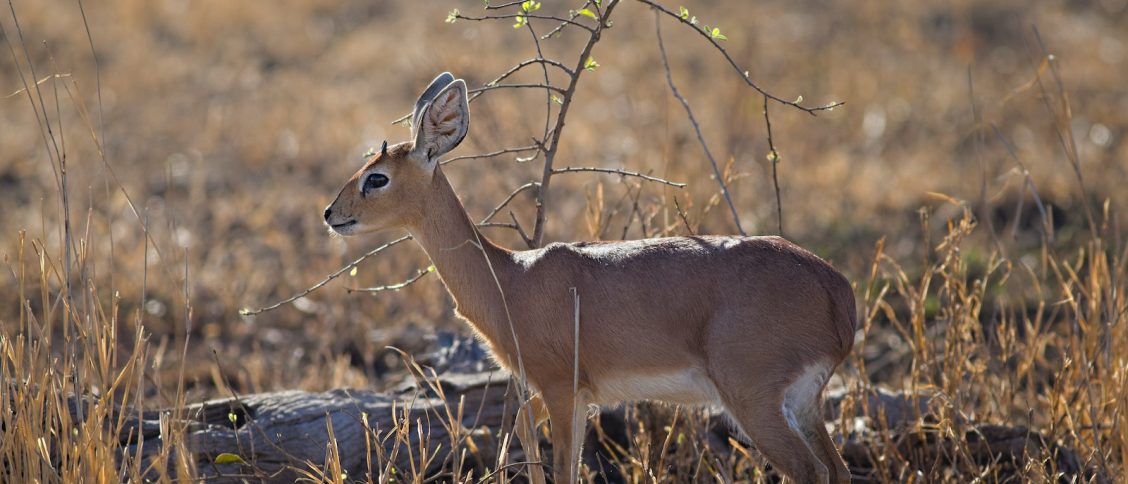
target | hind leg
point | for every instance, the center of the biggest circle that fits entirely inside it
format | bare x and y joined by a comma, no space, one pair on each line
764,421
802,406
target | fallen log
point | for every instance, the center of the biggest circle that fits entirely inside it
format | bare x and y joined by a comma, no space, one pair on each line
470,406
277,436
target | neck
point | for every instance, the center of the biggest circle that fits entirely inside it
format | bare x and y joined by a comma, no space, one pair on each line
460,254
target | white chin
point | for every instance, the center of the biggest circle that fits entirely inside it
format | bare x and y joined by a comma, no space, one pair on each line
344,230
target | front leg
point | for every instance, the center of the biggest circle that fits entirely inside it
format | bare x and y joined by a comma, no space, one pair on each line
568,413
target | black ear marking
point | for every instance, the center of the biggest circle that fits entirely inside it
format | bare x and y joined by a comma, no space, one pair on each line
428,95
384,149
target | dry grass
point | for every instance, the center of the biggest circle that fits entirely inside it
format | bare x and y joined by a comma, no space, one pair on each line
224,126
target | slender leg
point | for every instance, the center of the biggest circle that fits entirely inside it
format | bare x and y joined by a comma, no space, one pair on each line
569,421
529,416
813,430
764,422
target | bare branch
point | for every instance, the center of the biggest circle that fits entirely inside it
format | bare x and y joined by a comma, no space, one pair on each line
617,171
529,62
395,287
330,277
508,199
491,87
550,153
503,5
693,121
571,19
773,157
492,154
521,231
527,15
501,225
681,213
743,73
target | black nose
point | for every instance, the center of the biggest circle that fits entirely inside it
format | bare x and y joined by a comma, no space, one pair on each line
328,212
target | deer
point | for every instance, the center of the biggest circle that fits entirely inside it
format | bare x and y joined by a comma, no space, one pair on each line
754,325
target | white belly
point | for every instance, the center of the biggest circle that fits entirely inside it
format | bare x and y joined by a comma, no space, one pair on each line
691,386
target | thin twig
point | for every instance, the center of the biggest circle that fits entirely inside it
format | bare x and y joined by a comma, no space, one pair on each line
743,73
492,154
520,230
503,5
538,60
508,199
330,277
491,87
527,15
773,157
547,95
502,225
395,287
681,213
693,121
571,20
617,171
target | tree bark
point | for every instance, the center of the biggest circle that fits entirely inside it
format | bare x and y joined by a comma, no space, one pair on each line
277,435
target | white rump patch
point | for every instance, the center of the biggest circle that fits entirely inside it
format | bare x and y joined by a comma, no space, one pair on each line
803,393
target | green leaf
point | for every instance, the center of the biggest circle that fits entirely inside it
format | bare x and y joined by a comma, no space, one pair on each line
231,417
530,6
683,13
716,34
244,311
557,100
452,16
228,458
521,21
799,99
352,273
773,156
591,64
588,13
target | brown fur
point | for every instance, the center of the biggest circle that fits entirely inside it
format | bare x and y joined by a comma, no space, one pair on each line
747,316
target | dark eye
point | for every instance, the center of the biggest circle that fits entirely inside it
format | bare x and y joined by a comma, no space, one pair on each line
374,181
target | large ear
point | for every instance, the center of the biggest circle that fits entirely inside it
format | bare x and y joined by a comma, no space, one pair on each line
437,84
443,122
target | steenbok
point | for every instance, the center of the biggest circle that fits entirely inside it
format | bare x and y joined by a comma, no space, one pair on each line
753,324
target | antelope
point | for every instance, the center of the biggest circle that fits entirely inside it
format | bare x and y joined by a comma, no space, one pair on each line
755,325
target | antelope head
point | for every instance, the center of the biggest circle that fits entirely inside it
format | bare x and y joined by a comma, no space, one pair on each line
390,190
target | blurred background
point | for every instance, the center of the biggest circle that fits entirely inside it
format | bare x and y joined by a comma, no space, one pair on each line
229,126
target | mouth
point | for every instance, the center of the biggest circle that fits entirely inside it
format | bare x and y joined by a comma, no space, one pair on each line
343,228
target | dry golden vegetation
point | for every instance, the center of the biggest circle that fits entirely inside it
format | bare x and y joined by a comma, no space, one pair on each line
170,168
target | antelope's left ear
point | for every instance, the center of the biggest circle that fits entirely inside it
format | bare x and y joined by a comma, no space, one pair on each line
442,123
